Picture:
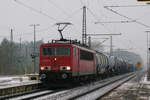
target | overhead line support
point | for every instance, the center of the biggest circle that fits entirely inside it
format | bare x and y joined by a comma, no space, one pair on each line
84,35
111,44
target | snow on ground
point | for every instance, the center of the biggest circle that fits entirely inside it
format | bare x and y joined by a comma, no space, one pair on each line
135,89
10,80
5,79
19,79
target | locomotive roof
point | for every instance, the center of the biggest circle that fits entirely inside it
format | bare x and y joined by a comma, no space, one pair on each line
68,44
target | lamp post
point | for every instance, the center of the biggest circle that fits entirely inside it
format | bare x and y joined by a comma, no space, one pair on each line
34,26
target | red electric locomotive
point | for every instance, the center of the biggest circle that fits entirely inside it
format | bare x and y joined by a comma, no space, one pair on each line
66,61
69,60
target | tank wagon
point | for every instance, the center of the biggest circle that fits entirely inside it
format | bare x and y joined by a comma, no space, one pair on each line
61,61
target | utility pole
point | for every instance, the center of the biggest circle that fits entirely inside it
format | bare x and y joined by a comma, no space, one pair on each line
26,52
111,48
89,41
84,36
11,47
11,36
20,43
148,62
34,26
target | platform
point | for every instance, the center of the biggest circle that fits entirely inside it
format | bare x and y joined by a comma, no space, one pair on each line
16,84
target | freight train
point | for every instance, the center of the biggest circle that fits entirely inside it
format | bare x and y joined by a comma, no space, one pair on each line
69,61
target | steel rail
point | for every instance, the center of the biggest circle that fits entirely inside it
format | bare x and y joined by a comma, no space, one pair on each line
76,93
34,95
97,93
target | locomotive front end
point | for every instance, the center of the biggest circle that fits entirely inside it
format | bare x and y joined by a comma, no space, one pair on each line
55,62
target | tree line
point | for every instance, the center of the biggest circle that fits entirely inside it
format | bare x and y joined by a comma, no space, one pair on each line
15,58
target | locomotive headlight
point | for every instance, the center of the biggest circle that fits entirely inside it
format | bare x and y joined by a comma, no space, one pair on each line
68,68
42,67
63,68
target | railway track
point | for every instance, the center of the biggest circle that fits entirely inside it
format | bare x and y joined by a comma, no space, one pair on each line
99,92
34,94
91,91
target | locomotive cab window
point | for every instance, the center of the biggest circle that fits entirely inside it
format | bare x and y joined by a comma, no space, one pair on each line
62,51
48,51
85,55
55,51
74,51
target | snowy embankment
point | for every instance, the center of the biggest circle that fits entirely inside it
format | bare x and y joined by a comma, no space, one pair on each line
13,79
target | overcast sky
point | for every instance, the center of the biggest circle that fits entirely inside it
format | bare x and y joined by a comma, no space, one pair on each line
20,14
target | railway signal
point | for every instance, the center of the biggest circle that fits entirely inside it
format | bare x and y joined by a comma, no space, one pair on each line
33,55
138,64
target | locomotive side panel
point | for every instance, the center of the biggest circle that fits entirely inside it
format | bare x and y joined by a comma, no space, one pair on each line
75,62
86,62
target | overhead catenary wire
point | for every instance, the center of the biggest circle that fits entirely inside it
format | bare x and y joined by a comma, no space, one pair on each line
130,42
97,18
116,6
143,16
58,7
131,19
83,4
64,12
116,22
42,30
100,10
35,10
103,15
71,16
105,39
73,13
40,12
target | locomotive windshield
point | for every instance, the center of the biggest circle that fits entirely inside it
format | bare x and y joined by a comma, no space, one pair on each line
55,51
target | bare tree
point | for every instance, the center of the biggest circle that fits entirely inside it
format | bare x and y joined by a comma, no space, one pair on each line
97,46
